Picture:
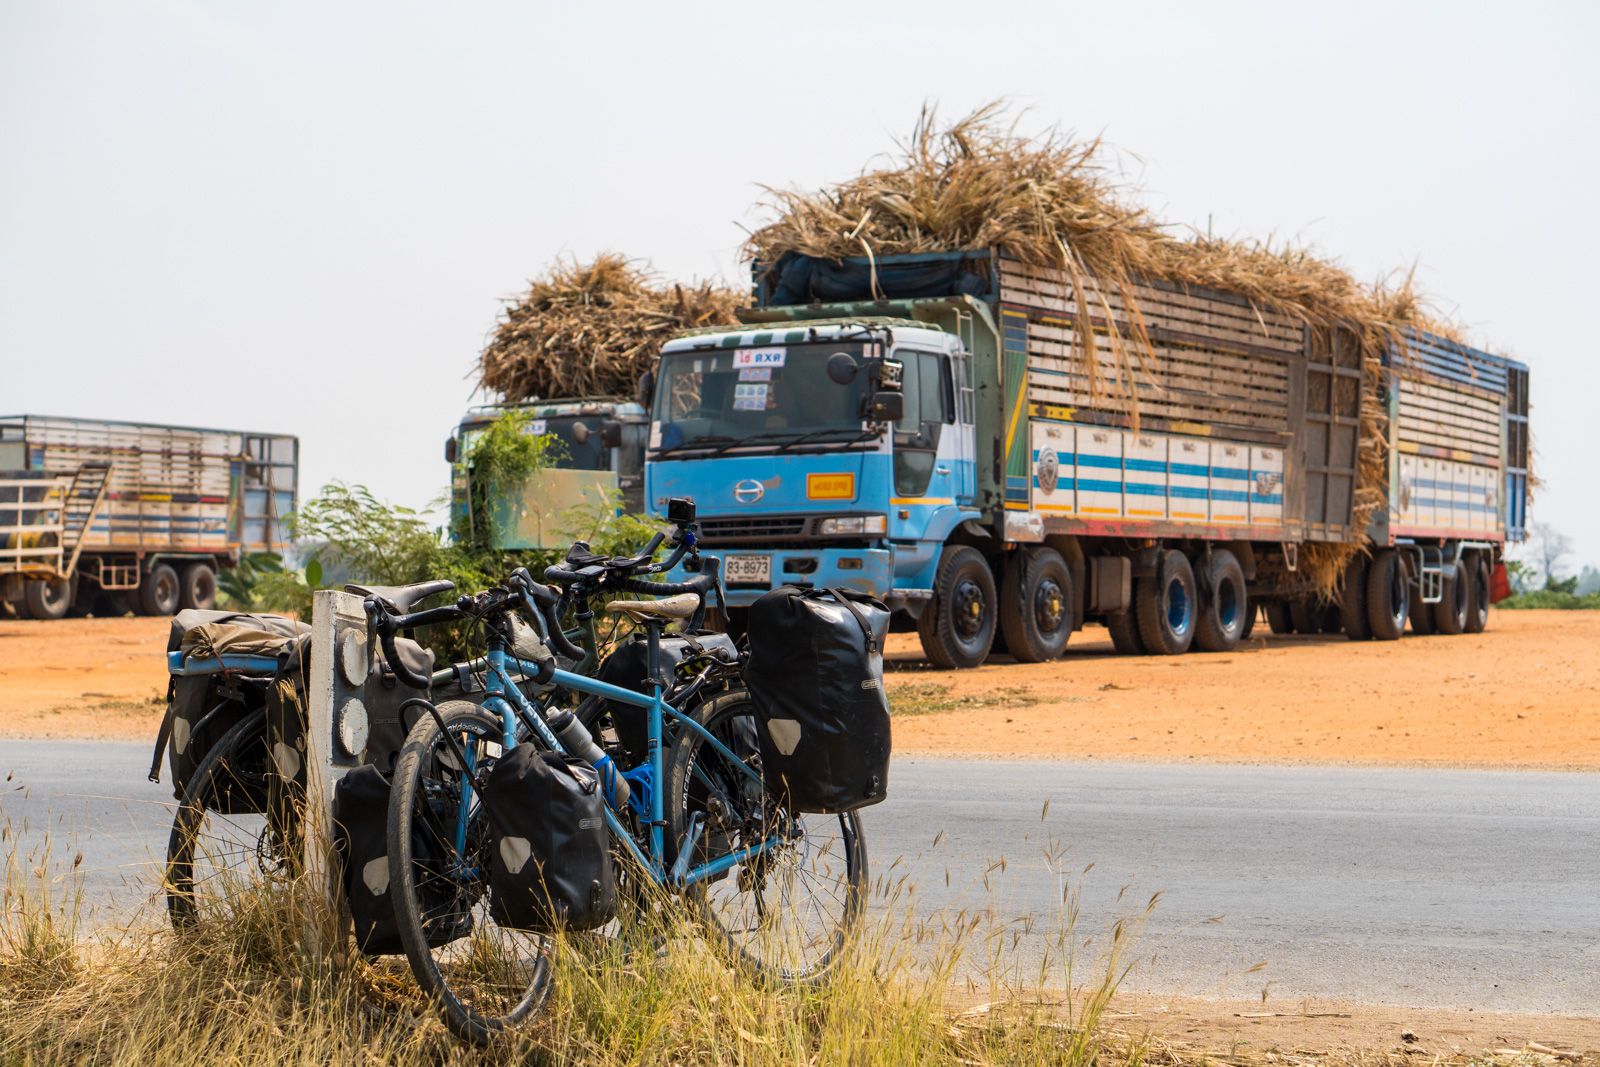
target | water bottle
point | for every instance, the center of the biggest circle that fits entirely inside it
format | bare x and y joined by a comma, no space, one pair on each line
575,738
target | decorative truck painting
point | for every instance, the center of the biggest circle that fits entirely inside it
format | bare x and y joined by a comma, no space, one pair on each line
938,435
111,516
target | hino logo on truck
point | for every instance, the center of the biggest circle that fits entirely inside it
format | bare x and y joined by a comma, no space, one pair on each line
749,491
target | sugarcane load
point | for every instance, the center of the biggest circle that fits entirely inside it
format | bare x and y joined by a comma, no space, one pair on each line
983,384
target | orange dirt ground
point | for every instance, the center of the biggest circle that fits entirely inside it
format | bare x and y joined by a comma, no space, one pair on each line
1524,694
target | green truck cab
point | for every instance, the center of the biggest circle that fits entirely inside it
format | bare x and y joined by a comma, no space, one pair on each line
601,457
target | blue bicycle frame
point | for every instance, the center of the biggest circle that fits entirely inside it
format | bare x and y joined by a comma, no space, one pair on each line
502,694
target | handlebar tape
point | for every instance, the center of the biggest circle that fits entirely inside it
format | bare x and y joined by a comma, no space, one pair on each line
699,585
396,664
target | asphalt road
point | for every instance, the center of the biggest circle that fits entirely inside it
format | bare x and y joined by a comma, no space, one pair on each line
1462,889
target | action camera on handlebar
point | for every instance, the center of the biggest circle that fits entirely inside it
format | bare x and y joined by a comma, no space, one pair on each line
680,510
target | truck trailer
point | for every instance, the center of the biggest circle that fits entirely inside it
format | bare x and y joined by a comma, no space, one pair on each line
112,516
961,435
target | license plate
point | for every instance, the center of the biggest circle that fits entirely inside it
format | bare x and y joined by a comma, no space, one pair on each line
752,570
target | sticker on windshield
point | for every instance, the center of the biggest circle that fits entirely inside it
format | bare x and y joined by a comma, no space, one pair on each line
750,397
534,427
755,374
759,357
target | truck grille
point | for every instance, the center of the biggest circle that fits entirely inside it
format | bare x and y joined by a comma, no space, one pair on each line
756,528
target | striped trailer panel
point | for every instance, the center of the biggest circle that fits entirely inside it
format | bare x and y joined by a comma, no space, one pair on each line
1189,480
1099,472
1266,486
1055,468
1230,484
1144,479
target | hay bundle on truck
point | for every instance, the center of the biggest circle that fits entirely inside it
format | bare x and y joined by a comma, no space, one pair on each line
568,357
108,516
981,385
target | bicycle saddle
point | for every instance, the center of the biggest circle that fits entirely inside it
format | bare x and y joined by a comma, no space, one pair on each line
672,607
402,598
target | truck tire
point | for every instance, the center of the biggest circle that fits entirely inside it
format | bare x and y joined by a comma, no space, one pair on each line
1306,617
1279,619
198,589
1388,596
1353,600
1478,617
1166,606
1225,606
1328,620
1250,613
49,598
1036,604
958,627
159,592
1454,609
1124,630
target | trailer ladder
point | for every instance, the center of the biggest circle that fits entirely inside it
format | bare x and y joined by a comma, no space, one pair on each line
83,500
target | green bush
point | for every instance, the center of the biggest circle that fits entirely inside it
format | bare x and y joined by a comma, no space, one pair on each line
1556,599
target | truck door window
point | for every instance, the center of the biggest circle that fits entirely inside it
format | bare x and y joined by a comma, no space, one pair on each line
928,408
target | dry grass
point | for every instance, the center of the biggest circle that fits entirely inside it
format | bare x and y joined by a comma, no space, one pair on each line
930,698
1056,201
590,329
242,989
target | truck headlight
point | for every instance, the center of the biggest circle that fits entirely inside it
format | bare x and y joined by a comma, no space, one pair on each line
854,524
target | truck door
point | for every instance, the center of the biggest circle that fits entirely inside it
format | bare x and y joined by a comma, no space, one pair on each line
965,454
924,440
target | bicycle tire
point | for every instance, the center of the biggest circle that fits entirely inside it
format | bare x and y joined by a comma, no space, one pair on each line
221,768
477,1013
774,955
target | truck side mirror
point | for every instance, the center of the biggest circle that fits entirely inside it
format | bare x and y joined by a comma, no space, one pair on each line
611,433
449,449
580,433
886,407
646,393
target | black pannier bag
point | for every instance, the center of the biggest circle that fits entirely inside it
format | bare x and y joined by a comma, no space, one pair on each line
816,673
360,840
629,667
201,708
549,849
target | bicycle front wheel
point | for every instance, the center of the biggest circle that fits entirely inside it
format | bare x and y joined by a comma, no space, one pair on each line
787,912
486,978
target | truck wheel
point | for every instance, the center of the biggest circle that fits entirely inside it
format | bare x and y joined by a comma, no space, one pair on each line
1454,608
1478,617
1388,596
1328,621
158,593
199,587
49,598
1279,619
1166,606
1124,629
1250,613
1353,600
1036,604
1305,616
1225,610
958,627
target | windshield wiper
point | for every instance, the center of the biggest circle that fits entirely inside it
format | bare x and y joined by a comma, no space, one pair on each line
700,441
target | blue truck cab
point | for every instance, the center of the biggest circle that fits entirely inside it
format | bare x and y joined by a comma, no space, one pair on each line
837,452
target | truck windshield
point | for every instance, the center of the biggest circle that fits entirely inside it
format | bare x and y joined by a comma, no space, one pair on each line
778,393
591,455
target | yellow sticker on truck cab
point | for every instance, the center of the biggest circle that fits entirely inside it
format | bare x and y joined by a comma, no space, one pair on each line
830,486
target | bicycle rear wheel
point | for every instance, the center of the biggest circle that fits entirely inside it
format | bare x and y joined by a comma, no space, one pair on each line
222,842
787,913
485,977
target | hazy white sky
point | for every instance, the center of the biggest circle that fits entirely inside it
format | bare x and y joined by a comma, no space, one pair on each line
303,217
